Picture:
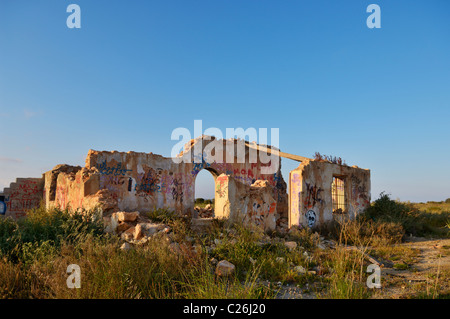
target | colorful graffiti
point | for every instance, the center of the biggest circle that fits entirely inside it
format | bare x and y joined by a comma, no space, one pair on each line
220,185
312,196
149,182
260,211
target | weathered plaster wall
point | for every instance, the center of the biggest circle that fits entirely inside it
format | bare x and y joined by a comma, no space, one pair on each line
311,195
24,194
246,204
143,181
72,187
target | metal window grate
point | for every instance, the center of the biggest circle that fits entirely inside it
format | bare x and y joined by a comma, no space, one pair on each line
338,195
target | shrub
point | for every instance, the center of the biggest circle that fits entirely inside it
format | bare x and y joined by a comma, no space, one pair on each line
418,223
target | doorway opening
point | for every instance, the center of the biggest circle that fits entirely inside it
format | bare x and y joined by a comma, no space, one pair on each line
204,195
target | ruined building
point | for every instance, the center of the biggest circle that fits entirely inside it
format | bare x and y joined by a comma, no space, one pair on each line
318,190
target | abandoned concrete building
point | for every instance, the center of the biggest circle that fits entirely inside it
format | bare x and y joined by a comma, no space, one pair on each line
318,190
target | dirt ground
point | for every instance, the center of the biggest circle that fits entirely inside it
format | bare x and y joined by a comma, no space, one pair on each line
427,274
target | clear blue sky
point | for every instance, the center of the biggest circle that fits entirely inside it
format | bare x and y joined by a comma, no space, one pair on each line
136,70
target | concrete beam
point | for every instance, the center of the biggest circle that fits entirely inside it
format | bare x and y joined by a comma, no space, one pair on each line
297,158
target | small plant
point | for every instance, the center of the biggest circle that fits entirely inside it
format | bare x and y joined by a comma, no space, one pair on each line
401,266
162,215
329,158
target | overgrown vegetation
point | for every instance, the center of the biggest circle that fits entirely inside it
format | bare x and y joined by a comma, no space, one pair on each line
35,253
416,219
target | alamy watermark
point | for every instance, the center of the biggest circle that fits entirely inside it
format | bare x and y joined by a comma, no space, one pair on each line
74,279
234,150
374,280
74,19
374,19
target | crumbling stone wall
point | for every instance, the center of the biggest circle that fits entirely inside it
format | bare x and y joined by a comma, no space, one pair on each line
310,202
246,204
21,196
130,181
72,187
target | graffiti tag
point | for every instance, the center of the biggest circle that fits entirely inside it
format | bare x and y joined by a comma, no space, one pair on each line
115,170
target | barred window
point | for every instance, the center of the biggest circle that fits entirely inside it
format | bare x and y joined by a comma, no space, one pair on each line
338,195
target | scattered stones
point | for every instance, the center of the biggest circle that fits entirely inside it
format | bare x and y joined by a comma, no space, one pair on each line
128,235
138,232
300,269
123,227
204,212
126,216
149,229
225,268
291,245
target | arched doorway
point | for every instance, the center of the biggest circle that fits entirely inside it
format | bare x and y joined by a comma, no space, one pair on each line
204,193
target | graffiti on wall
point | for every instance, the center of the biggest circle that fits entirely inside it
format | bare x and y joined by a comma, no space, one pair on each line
260,211
2,205
312,196
310,218
199,165
177,190
220,185
359,191
158,181
117,170
25,195
149,182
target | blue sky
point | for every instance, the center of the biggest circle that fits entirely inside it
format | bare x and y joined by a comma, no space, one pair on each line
136,70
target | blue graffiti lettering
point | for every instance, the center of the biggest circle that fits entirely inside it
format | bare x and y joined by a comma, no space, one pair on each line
115,170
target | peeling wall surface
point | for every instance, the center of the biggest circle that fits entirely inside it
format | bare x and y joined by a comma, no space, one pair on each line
310,188
21,196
